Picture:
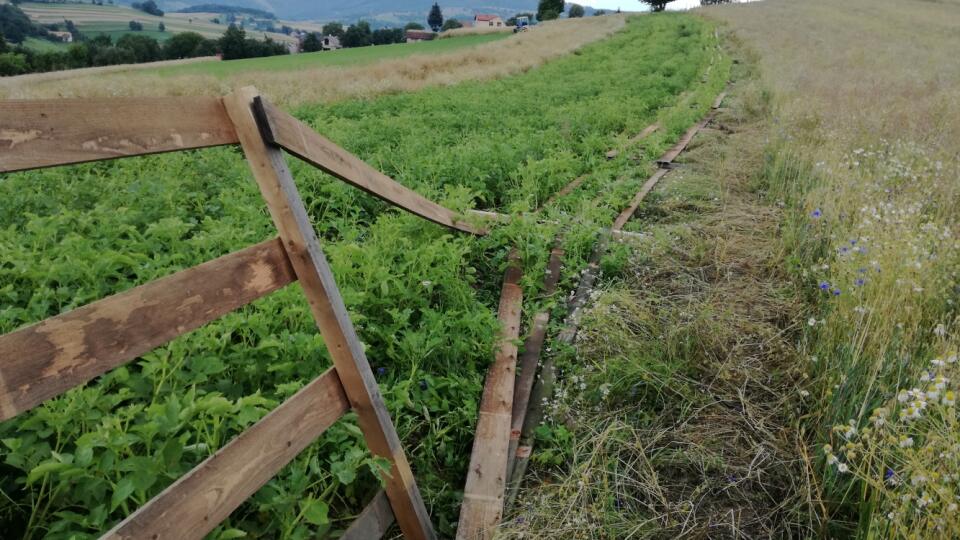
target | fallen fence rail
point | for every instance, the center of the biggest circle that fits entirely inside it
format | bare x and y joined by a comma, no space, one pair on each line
45,359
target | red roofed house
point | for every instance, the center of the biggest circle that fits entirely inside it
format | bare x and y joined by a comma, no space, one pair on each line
414,36
480,20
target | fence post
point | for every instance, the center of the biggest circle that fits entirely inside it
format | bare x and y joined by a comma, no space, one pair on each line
300,241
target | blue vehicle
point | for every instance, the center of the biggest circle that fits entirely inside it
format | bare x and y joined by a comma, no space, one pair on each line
523,24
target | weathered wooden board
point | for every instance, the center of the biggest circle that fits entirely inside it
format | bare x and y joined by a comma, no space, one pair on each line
483,495
281,129
46,359
52,132
667,158
530,359
634,140
373,522
312,269
195,504
719,101
628,212
566,190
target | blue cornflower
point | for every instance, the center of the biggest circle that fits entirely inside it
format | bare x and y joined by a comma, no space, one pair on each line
836,292
859,282
816,214
889,474
844,249
381,371
861,270
853,242
824,285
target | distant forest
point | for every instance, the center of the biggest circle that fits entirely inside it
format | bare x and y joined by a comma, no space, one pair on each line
222,8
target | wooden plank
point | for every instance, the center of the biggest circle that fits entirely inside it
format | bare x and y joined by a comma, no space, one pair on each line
666,159
195,504
647,131
530,359
46,359
45,133
543,387
373,522
717,103
483,495
312,269
299,139
567,189
628,212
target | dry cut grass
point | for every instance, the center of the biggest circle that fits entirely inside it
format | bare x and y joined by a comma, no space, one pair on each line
506,57
682,396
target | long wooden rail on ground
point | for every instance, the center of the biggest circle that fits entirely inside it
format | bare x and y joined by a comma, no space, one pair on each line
43,360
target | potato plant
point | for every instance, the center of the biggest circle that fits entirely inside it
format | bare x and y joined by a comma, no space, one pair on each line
422,297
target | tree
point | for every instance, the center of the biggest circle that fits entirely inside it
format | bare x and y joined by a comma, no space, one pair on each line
547,10
162,27
451,24
413,26
144,48
3,44
576,10
435,18
358,35
333,29
112,56
233,43
182,45
148,7
136,26
15,25
311,43
599,12
12,64
656,5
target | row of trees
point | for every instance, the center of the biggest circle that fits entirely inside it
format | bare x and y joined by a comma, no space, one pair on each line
135,49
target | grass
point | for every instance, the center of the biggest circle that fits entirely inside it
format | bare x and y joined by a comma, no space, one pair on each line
343,57
863,154
93,18
44,45
677,410
422,299
326,84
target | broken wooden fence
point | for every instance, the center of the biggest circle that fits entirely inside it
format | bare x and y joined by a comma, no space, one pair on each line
44,360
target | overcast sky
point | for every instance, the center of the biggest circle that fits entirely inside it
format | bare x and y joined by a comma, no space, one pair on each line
635,5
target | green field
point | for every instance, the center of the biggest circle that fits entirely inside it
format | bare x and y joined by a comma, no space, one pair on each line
44,45
422,298
117,29
342,57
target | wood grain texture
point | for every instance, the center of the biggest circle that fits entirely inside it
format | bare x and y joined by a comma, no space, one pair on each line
312,269
299,139
486,483
48,358
195,504
647,131
46,133
530,359
631,208
373,522
667,158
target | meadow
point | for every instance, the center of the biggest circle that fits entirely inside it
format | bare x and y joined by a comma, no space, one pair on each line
331,83
422,298
343,57
114,20
863,146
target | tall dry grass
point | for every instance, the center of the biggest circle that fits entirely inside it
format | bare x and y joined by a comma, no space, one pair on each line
497,59
865,154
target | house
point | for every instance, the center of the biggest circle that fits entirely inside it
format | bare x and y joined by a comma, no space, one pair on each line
414,36
65,37
480,20
330,43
